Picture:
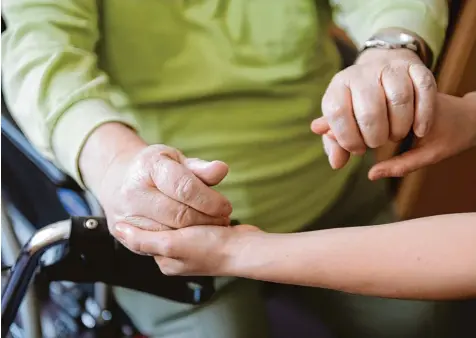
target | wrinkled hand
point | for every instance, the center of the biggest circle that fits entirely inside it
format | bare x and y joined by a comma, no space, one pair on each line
453,131
158,188
197,250
380,98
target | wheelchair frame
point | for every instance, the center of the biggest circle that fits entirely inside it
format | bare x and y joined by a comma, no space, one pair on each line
12,244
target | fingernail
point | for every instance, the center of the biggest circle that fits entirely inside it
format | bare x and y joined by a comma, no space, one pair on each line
422,129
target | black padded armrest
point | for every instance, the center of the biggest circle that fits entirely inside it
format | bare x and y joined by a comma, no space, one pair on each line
94,255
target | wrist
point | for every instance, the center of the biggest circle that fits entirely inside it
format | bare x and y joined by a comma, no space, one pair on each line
373,55
108,144
401,39
245,251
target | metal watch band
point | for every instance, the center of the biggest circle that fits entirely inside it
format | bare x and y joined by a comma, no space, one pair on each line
401,39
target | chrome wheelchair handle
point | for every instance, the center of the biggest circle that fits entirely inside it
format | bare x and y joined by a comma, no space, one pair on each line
47,246
82,250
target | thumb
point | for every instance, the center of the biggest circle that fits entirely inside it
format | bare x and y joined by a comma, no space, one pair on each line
403,164
211,173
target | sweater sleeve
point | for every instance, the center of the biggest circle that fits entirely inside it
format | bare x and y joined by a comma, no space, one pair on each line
363,18
51,81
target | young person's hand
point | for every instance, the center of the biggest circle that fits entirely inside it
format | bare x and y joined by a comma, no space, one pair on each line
197,250
453,131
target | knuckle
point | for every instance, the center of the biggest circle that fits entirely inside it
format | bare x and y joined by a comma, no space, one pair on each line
427,82
161,151
368,120
127,195
401,98
392,69
142,162
183,217
399,171
333,110
184,187
424,78
341,77
151,158
167,246
351,145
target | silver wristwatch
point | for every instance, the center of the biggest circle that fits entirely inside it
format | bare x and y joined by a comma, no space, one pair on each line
396,38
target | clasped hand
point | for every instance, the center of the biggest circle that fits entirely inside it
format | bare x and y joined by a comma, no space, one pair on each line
365,106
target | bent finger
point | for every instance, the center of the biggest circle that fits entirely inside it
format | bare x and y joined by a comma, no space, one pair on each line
338,111
398,88
424,85
180,184
370,109
338,156
154,205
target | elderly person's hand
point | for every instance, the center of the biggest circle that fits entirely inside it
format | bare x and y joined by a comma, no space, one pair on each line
152,187
380,98
453,131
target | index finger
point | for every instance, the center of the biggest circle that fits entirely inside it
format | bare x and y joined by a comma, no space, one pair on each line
179,183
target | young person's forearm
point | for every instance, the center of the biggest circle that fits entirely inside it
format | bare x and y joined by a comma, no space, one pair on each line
104,145
427,258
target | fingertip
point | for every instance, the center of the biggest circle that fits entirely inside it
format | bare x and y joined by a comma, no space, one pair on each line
210,172
320,126
421,129
338,157
220,163
373,175
220,167
378,171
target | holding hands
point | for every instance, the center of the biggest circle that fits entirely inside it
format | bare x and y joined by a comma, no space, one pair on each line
365,106
385,95
159,188
153,187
